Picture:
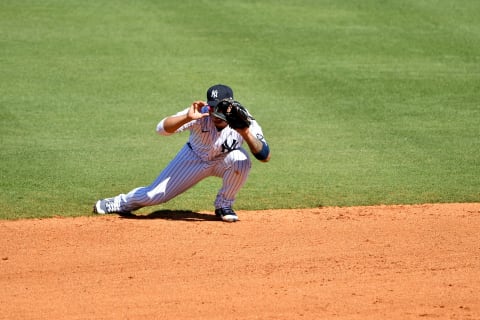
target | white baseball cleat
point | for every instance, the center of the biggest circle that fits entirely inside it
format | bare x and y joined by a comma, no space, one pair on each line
106,206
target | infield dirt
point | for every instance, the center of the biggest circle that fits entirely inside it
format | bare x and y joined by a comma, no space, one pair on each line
382,262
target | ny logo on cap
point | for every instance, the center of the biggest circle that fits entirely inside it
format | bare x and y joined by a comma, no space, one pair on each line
214,93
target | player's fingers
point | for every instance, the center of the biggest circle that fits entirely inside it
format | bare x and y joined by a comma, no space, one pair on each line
195,111
198,104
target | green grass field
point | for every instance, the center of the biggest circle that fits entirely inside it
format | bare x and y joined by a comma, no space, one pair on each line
363,102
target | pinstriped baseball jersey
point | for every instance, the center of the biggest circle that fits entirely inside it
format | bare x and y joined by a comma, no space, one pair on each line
207,142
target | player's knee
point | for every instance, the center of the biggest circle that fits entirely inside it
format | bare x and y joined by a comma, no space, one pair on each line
239,161
156,193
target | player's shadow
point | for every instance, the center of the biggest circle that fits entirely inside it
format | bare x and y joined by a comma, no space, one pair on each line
181,215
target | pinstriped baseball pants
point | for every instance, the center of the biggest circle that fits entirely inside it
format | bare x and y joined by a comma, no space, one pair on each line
185,171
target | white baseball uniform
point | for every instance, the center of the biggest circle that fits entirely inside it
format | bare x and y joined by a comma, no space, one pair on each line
208,152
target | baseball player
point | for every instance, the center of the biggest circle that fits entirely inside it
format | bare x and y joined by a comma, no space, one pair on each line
218,129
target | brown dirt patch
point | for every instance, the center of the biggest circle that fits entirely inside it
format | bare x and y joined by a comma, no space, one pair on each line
385,262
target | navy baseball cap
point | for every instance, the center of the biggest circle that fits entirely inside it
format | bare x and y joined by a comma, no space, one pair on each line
217,93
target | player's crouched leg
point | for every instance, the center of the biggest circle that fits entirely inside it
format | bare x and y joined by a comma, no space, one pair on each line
237,165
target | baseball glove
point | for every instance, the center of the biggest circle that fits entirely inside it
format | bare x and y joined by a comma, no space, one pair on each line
236,115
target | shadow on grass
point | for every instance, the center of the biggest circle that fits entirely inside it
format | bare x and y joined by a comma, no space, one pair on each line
181,215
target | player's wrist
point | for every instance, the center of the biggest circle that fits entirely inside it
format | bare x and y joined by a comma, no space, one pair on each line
244,132
264,153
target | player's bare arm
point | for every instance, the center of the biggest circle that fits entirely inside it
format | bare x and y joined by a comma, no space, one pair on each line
172,123
257,146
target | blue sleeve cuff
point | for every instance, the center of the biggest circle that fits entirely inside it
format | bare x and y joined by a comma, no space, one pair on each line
263,154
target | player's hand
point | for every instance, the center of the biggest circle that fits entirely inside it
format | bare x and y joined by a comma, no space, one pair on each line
195,111
243,131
